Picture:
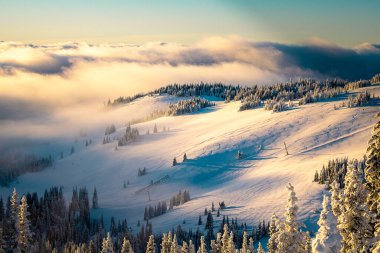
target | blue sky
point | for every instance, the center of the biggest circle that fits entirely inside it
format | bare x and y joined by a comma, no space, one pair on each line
346,23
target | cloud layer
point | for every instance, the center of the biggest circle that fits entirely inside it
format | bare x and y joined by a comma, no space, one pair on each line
66,74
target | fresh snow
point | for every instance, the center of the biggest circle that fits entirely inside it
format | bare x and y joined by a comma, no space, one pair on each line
253,188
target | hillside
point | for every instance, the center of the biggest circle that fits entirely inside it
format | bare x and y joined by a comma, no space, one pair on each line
253,187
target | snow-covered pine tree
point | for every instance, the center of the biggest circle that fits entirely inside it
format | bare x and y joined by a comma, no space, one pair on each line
261,250
354,221
244,245
372,176
327,239
250,245
10,230
336,198
225,239
202,247
231,244
163,244
126,247
213,247
185,248
150,248
107,245
169,242
91,247
307,242
218,242
155,129
174,247
273,228
23,228
191,247
289,238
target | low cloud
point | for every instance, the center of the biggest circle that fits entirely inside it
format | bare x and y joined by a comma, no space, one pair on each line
39,80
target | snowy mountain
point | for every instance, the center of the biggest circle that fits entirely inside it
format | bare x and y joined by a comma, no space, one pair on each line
252,187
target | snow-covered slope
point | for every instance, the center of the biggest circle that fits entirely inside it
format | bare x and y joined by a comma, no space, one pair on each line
253,187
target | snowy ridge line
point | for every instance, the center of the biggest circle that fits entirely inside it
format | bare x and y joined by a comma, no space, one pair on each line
160,181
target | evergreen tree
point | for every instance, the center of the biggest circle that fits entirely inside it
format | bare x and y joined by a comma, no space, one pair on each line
174,246
272,242
372,176
209,221
155,129
354,221
23,227
290,239
336,199
261,250
185,248
231,244
250,246
10,232
174,161
244,245
327,238
150,248
191,247
308,247
95,199
225,239
202,247
107,245
126,247
164,248
185,157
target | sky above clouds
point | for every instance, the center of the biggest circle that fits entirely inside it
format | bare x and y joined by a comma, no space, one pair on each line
344,22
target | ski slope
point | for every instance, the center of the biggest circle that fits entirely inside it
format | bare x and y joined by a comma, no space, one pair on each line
253,187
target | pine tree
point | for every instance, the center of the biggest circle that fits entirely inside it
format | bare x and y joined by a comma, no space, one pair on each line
354,221
372,176
225,239
272,242
185,248
308,248
150,248
95,199
10,230
23,227
202,247
174,246
185,157
209,221
316,176
231,244
155,129
289,238
191,247
336,198
107,245
244,245
327,238
261,250
250,246
163,244
126,247
174,161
